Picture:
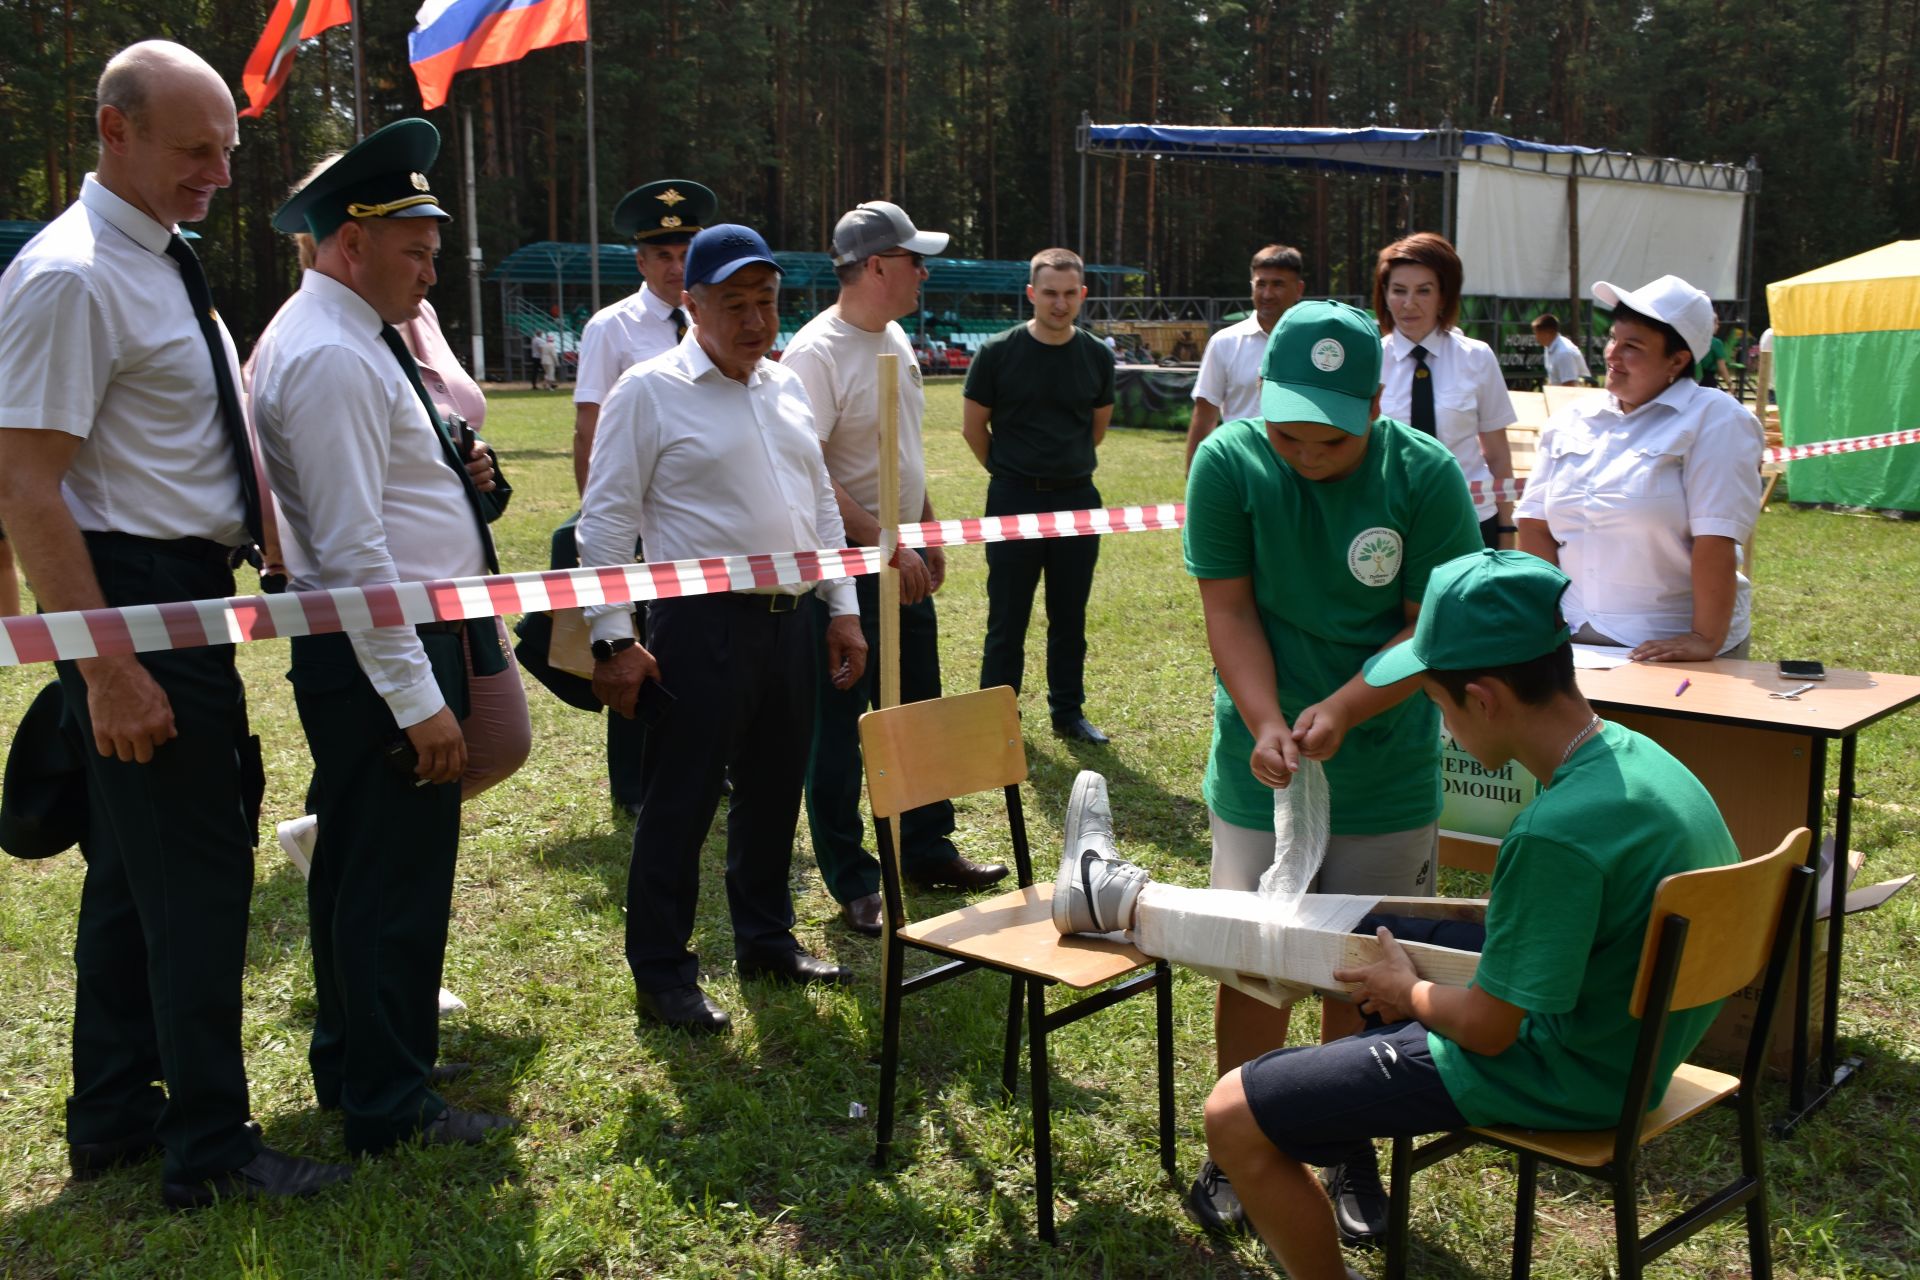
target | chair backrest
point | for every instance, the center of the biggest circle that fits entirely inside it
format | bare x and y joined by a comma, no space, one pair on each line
1731,913
941,749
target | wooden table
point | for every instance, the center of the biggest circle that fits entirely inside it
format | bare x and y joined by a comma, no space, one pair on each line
1765,762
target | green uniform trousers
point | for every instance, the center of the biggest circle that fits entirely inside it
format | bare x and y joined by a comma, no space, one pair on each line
379,895
834,768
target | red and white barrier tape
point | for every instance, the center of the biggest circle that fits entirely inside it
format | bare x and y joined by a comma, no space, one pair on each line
192,623
1510,490
1822,448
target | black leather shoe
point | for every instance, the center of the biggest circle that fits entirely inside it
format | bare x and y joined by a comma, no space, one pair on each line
1079,729
89,1160
794,966
456,1128
1359,1201
685,1009
863,915
269,1175
959,872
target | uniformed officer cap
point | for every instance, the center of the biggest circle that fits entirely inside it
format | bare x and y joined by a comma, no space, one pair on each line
669,211
383,176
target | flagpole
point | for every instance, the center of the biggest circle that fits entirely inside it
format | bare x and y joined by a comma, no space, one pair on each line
359,85
593,168
473,251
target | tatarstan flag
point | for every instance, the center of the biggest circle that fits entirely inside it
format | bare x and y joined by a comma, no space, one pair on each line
271,60
451,36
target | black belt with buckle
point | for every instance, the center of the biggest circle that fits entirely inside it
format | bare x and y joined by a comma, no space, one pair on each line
202,550
777,602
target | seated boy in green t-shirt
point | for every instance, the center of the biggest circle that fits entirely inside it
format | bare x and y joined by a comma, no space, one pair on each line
1543,1036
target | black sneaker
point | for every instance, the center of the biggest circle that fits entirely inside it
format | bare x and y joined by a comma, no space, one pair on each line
1213,1205
1360,1207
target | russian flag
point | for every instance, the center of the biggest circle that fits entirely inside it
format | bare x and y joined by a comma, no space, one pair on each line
451,36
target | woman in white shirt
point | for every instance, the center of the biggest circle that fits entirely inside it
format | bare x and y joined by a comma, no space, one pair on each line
1645,499
1436,379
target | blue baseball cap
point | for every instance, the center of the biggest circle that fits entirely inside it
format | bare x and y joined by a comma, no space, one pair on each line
719,251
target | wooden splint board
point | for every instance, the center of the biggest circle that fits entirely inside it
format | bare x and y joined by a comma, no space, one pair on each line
1231,937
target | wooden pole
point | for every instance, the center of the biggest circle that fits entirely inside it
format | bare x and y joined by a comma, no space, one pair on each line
889,513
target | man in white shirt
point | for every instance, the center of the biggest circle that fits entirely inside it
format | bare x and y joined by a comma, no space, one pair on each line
879,256
1565,366
709,450
662,218
1228,385
125,480
375,490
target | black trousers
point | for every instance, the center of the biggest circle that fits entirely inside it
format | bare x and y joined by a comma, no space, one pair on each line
1014,571
742,679
162,936
834,773
379,894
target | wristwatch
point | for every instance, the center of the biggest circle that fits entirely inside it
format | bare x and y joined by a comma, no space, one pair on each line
603,650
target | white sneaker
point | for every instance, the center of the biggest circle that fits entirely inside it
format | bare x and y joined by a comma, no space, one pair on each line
296,837
1096,889
450,1003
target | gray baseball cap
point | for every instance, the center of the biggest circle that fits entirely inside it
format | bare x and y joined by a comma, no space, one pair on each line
878,226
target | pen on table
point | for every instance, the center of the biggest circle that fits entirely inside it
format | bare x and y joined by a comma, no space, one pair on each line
1684,686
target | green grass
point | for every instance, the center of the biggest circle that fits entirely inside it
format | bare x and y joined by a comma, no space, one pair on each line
658,1156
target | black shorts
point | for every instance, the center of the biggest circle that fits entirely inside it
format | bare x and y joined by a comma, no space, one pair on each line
1317,1103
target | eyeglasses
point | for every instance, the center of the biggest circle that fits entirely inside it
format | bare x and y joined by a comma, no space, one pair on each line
919,259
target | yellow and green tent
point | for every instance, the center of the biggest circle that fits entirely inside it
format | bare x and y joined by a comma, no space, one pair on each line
1846,360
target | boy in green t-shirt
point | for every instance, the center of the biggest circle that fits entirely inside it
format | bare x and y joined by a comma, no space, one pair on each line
1312,531
1543,1037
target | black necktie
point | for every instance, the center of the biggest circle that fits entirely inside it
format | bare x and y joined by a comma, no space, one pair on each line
449,450
201,299
679,319
1422,394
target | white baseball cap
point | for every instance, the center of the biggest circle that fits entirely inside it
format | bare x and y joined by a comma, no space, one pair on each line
1669,299
876,227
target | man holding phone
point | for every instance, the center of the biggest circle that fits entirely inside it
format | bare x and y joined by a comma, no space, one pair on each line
709,450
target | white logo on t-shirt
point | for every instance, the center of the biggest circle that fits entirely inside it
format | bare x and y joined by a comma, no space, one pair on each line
1374,556
1328,355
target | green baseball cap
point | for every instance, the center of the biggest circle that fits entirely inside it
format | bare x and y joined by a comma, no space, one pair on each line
1487,609
1322,365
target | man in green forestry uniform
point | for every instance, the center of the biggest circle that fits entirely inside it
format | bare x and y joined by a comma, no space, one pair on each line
376,490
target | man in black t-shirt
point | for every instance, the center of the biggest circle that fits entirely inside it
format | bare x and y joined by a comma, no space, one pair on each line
1038,400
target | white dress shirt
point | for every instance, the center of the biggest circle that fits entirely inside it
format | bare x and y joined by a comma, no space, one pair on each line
98,340
839,364
620,336
1469,398
1626,494
697,465
364,484
1230,370
1565,364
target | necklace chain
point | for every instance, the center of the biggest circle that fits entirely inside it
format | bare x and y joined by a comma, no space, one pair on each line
1580,737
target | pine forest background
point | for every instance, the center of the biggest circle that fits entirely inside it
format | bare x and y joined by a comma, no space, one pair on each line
964,111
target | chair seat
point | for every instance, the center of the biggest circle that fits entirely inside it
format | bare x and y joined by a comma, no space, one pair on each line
1015,931
1692,1091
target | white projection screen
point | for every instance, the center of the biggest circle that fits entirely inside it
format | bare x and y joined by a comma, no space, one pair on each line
1514,235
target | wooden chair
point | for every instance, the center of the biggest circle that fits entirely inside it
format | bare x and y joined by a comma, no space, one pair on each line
1711,933
951,747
